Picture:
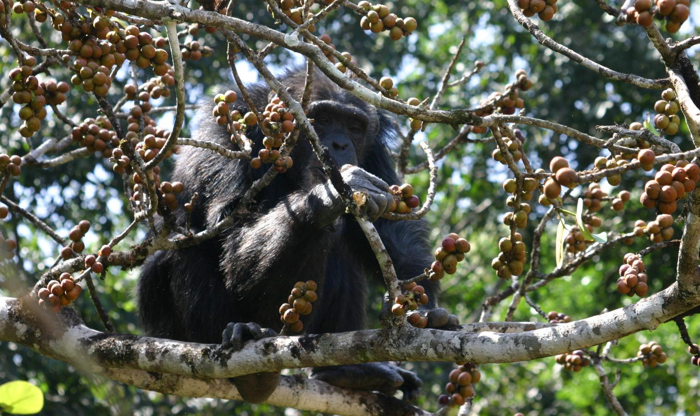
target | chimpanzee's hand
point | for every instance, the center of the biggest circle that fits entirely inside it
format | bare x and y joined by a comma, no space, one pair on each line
379,197
236,334
254,388
438,318
382,377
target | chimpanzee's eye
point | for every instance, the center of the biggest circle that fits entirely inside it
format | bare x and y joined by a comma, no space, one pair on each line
322,119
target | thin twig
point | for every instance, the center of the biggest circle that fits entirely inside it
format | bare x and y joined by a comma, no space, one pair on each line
604,6
391,281
64,158
39,151
534,306
123,234
61,116
461,138
214,147
176,53
446,75
35,30
497,119
96,301
643,134
683,330
658,246
608,389
231,57
416,279
327,48
432,188
308,82
318,16
686,43
623,360
571,266
580,59
156,110
477,67
34,220
596,175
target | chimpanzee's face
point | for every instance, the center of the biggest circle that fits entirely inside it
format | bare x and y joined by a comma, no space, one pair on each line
342,129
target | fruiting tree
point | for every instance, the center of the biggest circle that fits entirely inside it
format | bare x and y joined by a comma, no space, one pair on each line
124,60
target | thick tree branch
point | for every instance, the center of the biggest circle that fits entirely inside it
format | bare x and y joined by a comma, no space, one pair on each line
688,274
403,343
71,346
293,391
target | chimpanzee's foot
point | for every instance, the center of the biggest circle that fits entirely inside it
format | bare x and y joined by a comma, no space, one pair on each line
254,388
382,377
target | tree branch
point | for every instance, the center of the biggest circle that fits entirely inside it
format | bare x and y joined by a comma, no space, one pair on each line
580,59
608,389
404,343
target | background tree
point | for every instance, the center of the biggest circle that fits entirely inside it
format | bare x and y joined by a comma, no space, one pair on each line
61,183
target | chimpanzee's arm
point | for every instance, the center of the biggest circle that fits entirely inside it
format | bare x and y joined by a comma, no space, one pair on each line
294,232
291,241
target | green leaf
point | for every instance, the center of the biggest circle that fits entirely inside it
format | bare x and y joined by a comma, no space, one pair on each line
600,237
650,126
21,398
567,212
561,229
579,221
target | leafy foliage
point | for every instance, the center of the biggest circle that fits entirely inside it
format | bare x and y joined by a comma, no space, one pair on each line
20,398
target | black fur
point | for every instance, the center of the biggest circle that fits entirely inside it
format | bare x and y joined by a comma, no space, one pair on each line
245,274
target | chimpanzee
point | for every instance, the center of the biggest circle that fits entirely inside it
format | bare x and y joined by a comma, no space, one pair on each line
297,230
